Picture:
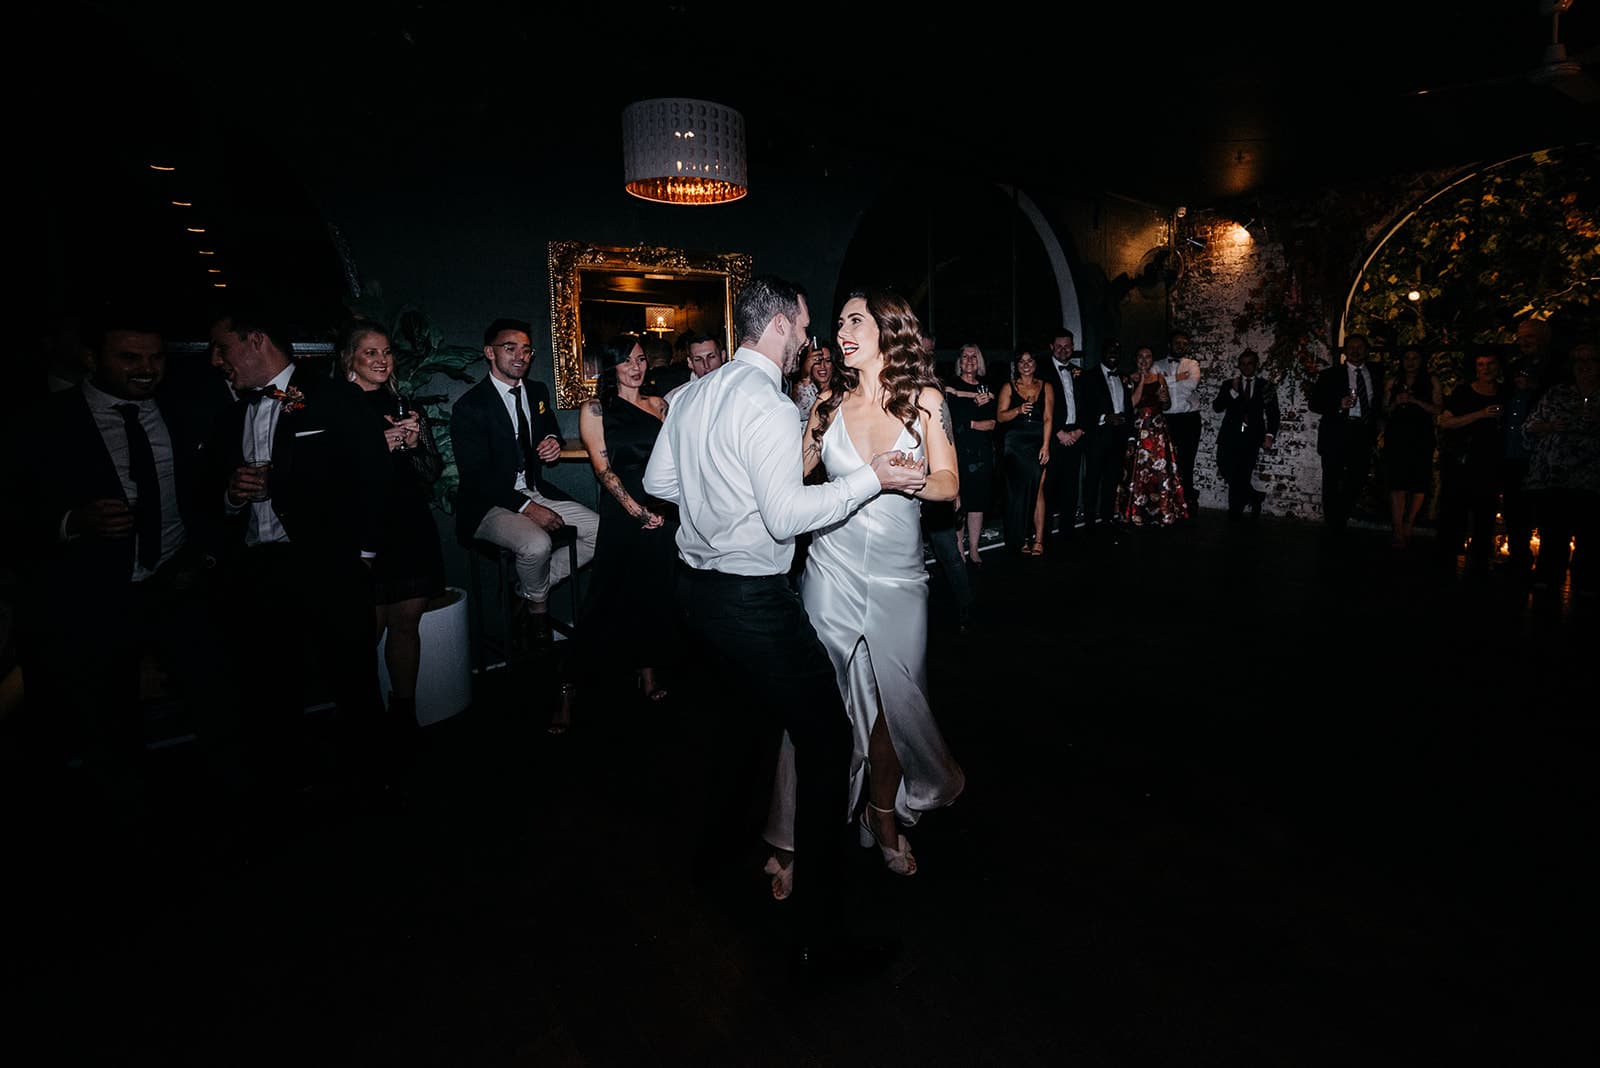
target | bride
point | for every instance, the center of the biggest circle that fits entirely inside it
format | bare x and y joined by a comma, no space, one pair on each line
865,586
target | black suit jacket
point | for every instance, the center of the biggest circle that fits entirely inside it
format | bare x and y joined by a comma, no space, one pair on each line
1334,430
1047,372
1094,401
62,464
1245,422
487,455
329,472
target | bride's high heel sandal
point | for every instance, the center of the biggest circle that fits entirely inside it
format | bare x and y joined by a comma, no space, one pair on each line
898,858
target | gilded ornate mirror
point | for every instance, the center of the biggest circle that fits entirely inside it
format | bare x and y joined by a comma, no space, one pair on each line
598,291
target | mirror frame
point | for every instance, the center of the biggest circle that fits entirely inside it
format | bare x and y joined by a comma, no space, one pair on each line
568,261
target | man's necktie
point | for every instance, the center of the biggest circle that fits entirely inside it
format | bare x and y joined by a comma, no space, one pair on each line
1361,392
524,436
1247,389
142,467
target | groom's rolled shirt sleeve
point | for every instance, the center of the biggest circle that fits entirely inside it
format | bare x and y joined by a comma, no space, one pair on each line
787,505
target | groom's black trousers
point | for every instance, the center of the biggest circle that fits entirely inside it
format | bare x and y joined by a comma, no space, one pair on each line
764,671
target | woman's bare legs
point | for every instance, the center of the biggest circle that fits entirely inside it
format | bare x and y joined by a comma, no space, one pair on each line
974,535
403,654
1397,518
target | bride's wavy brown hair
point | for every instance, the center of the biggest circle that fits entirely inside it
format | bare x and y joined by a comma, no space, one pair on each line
907,370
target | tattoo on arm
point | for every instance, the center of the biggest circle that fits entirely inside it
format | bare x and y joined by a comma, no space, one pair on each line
608,478
944,421
593,408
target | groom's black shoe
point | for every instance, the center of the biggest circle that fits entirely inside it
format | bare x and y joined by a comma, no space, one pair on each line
818,963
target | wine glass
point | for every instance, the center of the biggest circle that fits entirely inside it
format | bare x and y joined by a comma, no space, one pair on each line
400,412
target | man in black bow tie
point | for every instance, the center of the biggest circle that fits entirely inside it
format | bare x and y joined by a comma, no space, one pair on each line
115,576
299,478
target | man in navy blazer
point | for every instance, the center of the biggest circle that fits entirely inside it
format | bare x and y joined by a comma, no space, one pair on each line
504,433
110,523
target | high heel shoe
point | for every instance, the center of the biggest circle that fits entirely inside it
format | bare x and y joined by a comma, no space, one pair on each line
897,859
563,717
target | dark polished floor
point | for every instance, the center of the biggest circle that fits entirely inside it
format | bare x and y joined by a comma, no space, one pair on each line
1236,796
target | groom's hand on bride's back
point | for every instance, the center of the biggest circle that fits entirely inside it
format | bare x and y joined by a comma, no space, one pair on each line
897,472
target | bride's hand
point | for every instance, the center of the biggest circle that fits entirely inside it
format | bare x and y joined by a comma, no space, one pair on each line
897,472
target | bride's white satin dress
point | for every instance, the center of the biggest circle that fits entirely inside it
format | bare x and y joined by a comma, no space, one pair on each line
865,587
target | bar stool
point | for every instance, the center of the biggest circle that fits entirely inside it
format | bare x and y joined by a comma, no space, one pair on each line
505,597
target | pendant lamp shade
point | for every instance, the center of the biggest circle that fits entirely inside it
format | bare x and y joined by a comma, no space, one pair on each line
681,151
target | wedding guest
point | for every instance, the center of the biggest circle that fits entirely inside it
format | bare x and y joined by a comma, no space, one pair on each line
1563,432
1414,401
301,476
1469,478
1249,405
106,504
409,567
1103,404
703,354
1062,371
504,434
1151,491
630,586
1349,398
1182,374
1027,405
972,411
816,372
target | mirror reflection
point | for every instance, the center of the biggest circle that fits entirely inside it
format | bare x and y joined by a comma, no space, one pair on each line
597,292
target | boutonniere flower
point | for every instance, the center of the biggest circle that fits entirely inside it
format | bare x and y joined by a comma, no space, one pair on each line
291,399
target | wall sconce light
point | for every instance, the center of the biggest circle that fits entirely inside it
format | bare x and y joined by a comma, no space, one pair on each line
658,320
681,151
1241,233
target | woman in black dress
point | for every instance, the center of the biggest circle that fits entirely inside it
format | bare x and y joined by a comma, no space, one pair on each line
630,579
409,567
1414,402
972,409
1028,404
1469,473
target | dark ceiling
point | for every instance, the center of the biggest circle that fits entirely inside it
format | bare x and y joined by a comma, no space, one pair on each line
1193,104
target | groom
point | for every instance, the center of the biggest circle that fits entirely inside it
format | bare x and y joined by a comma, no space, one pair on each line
729,457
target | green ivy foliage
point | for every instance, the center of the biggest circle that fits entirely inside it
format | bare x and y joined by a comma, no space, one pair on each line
1515,241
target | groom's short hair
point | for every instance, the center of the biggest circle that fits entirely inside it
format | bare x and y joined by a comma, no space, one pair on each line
762,300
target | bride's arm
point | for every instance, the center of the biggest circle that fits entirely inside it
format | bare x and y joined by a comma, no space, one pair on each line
810,448
939,441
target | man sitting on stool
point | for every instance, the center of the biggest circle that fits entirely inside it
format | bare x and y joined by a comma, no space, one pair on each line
504,433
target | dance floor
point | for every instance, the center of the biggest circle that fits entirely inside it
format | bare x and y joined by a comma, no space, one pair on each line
1235,795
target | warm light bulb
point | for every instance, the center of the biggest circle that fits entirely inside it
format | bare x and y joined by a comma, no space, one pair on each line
1241,235
195,229
1414,296
205,252
161,167
183,204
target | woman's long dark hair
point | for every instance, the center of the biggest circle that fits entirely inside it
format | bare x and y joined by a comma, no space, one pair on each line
614,351
907,370
1424,386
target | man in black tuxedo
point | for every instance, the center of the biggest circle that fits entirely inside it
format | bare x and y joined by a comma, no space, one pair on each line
1102,415
299,477
1348,397
112,522
1249,406
504,433
1065,469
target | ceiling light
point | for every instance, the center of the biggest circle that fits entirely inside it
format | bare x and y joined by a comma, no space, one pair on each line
161,167
182,204
681,151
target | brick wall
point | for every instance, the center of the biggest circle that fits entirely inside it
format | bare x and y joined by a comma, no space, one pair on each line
1286,286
